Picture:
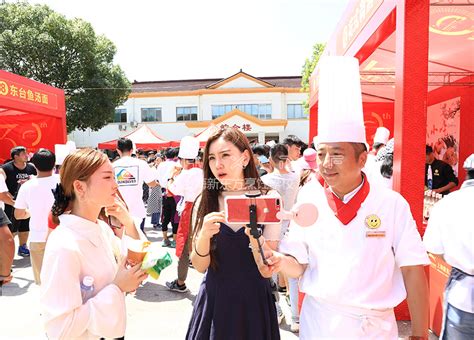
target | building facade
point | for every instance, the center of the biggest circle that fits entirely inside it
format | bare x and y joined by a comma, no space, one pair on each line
268,108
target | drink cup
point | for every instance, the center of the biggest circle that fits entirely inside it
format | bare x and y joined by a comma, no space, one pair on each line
137,250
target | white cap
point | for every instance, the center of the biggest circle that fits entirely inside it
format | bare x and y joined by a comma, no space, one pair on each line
270,143
188,148
381,135
61,151
469,162
340,115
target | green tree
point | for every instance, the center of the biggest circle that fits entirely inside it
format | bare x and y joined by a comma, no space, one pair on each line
38,43
308,68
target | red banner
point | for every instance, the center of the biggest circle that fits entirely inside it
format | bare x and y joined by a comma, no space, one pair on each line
23,94
30,130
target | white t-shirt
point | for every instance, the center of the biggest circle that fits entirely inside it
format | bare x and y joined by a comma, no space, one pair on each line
189,184
130,174
36,196
347,265
165,170
450,232
3,188
287,185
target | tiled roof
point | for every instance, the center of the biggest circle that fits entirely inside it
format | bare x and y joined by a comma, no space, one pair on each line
199,84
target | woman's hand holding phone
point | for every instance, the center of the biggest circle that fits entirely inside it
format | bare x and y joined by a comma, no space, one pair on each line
212,224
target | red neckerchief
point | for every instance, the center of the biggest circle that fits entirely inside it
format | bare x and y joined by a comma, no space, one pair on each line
345,212
192,165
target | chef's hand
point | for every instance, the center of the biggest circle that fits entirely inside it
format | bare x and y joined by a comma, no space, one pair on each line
212,224
274,260
128,279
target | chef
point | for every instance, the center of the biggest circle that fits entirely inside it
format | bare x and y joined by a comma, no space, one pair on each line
188,183
372,166
450,235
364,255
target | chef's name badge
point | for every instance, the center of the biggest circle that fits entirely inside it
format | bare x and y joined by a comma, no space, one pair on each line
373,222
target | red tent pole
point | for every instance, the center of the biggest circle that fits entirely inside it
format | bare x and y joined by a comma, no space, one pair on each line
411,84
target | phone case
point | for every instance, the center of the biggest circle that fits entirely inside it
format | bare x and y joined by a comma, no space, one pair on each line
237,209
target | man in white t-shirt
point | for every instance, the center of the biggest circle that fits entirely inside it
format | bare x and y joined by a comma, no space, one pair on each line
294,144
165,169
130,174
34,200
188,183
450,235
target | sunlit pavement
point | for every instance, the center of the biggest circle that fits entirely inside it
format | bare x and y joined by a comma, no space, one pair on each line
153,311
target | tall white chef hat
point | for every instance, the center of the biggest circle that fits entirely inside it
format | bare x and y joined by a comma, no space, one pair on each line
381,135
469,162
340,115
188,148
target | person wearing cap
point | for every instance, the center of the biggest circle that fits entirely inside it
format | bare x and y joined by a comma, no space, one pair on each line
308,166
17,172
363,256
187,183
131,173
285,182
372,165
450,236
442,174
381,137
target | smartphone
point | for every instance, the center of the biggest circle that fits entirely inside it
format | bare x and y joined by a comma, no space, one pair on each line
237,209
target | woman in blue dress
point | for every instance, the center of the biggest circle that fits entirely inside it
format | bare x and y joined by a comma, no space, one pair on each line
235,300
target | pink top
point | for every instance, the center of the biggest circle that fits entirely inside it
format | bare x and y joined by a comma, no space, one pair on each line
78,248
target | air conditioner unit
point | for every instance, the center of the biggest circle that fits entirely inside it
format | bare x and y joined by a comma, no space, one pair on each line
134,124
122,127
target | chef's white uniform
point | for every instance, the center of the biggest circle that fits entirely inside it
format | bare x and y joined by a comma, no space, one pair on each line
353,278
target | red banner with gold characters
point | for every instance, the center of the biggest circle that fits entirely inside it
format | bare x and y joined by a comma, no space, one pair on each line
32,131
32,114
23,94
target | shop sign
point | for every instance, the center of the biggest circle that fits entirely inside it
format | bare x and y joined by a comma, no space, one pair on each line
242,127
27,94
359,17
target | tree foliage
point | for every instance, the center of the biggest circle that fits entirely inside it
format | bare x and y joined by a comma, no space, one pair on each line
43,45
308,68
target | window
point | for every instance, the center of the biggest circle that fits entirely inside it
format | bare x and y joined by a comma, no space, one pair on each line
120,116
295,111
151,114
261,111
186,113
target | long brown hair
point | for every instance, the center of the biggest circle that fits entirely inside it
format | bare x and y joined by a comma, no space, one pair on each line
213,188
77,166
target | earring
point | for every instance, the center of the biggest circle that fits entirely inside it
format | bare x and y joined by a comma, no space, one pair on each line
244,166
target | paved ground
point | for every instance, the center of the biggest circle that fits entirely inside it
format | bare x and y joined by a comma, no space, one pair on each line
153,311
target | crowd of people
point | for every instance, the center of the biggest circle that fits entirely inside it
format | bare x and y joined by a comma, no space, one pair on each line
360,259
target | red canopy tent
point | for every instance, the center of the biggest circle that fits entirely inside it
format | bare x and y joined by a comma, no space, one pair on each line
143,138
32,114
204,135
414,55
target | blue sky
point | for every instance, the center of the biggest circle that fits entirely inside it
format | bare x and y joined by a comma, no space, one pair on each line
188,39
